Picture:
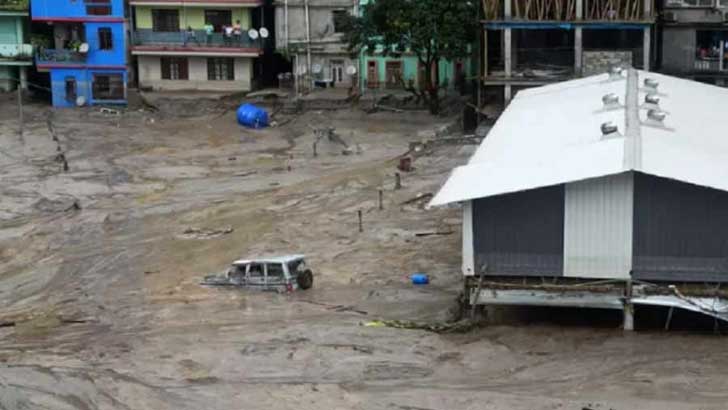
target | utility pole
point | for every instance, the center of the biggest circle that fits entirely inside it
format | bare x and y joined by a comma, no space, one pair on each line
20,110
308,42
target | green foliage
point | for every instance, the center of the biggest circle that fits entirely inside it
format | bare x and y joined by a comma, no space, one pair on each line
14,5
430,29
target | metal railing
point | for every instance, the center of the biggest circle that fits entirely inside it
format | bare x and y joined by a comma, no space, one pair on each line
197,38
50,55
708,64
16,51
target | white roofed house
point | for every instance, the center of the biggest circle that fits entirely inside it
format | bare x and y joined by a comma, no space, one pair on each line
618,181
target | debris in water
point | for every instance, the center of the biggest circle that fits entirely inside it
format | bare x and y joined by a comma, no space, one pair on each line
204,233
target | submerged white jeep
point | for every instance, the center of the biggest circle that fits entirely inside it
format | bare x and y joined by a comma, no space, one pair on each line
280,273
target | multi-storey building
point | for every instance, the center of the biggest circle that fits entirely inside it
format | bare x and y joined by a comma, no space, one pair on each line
535,42
85,52
15,52
197,44
695,39
311,34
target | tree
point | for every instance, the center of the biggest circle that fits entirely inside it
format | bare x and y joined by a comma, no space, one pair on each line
430,29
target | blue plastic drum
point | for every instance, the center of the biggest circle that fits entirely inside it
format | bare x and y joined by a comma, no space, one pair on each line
420,279
252,117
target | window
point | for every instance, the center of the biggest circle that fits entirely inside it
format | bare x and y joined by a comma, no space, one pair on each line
255,271
98,7
174,68
108,87
165,20
220,69
105,41
341,20
275,273
71,89
218,18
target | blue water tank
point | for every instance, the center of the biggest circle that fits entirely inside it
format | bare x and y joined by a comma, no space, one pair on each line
252,116
420,279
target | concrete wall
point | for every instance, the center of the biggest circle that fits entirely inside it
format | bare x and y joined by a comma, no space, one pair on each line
327,62
410,66
66,8
321,20
150,75
598,62
697,14
678,49
84,80
191,16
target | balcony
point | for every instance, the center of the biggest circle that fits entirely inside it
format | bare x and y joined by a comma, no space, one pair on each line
181,41
709,64
60,56
16,52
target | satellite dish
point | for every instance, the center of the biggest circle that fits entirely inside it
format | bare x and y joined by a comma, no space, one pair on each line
264,32
253,33
351,70
83,48
316,68
80,101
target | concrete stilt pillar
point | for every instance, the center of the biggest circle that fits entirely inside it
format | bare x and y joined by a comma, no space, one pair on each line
23,71
646,49
577,51
507,56
628,321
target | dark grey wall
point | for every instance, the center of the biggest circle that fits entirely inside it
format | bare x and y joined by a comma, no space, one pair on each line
680,231
520,234
678,49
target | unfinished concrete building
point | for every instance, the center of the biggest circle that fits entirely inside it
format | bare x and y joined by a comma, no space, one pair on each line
695,39
534,42
603,192
310,33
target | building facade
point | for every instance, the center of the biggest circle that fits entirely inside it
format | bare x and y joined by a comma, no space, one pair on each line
183,45
308,33
695,39
16,54
528,43
85,52
381,72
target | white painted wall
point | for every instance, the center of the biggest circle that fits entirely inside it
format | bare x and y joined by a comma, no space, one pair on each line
468,245
598,223
150,75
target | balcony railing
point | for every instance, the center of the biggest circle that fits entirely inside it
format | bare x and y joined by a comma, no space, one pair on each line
565,10
60,56
16,51
199,39
708,64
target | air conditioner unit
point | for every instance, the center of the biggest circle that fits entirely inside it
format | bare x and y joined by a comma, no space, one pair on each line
669,17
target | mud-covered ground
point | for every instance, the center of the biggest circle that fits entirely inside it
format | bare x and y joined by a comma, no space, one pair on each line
100,307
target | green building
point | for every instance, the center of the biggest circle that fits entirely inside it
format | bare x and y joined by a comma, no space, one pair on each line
16,54
378,71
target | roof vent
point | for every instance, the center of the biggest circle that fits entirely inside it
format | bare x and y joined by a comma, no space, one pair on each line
609,129
656,116
652,99
651,85
615,73
610,100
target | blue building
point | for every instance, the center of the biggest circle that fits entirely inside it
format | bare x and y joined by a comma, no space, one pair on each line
85,50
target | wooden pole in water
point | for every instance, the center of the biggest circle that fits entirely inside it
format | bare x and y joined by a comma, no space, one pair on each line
381,199
397,181
20,109
361,225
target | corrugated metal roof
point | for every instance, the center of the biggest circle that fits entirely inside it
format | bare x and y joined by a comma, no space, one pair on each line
551,135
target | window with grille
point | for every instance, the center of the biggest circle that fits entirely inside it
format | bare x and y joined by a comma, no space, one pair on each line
175,68
108,87
220,69
105,40
98,7
165,20
341,20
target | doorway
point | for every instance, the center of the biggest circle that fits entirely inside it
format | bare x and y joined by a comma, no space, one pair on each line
372,75
394,74
218,19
